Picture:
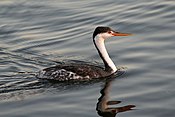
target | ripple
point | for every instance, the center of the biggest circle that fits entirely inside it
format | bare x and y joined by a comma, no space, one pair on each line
38,34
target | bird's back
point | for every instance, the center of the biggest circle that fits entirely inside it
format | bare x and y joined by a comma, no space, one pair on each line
72,72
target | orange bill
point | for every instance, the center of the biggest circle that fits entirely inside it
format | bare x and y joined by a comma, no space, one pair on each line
121,34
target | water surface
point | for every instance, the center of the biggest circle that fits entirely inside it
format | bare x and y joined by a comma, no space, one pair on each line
37,34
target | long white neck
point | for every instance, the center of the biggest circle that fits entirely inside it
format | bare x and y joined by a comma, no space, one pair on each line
99,43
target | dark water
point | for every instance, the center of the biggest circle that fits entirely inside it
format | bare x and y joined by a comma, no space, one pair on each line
35,34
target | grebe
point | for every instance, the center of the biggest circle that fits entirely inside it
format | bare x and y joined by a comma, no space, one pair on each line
81,72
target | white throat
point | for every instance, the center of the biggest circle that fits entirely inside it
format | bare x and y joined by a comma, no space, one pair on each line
99,41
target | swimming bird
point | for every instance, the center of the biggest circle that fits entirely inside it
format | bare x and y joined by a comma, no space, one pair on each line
65,72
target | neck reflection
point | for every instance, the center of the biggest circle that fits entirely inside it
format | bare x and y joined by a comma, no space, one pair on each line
103,104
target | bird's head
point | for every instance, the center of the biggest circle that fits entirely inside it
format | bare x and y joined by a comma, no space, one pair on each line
106,32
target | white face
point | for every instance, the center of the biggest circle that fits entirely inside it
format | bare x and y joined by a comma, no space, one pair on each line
106,35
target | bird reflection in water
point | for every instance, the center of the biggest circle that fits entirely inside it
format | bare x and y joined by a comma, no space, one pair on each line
103,108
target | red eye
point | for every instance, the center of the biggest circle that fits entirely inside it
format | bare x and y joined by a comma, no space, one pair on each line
109,32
